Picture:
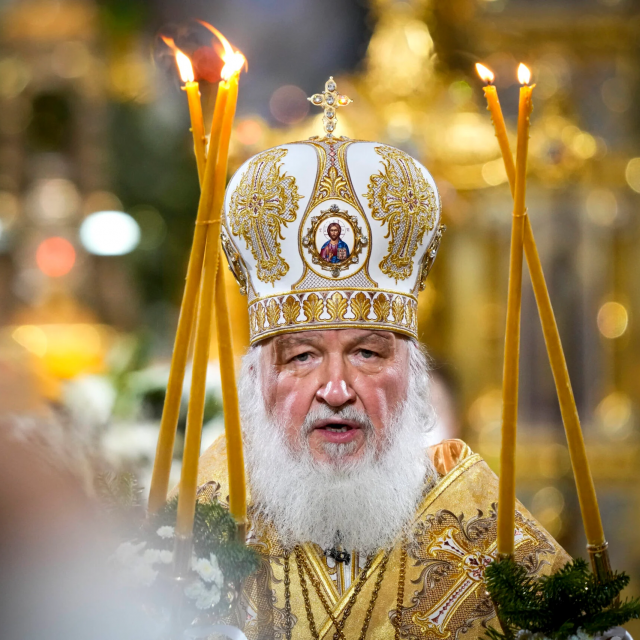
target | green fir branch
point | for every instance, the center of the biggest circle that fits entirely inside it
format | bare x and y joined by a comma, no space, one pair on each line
557,605
214,532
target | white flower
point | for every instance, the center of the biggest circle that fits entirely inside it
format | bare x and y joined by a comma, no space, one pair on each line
208,570
166,531
127,552
151,556
166,557
204,598
144,574
209,598
195,589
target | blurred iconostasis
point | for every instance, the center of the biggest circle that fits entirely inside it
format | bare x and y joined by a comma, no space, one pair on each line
98,194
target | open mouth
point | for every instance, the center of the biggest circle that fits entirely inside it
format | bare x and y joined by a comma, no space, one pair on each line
336,425
337,430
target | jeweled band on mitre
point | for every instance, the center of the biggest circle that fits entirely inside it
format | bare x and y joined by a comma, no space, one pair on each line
331,233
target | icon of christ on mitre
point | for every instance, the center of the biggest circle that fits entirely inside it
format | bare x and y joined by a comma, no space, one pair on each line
362,530
334,249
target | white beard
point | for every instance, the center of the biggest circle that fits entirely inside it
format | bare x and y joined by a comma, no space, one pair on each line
363,504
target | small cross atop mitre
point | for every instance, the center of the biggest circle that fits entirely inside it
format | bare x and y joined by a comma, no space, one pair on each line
329,100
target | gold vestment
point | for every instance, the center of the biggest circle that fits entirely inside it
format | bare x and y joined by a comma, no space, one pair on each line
443,593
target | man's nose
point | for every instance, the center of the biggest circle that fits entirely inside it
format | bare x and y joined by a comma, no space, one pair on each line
337,390
335,393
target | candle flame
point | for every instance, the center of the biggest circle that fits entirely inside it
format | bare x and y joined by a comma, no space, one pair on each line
485,73
185,67
232,58
524,75
182,60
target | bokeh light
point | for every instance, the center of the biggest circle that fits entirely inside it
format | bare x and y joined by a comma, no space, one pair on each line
71,59
632,174
32,338
55,257
289,104
15,75
399,122
494,173
249,131
613,320
9,207
614,415
547,506
486,410
72,349
601,206
109,233
584,145
53,199
616,94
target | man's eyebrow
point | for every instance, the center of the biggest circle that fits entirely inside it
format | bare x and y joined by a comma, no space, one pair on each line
287,342
374,336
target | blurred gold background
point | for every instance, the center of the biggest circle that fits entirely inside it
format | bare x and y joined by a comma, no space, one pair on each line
98,192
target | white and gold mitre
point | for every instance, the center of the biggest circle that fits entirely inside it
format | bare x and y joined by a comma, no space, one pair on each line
331,233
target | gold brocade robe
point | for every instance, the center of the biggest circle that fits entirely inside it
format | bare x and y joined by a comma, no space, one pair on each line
442,594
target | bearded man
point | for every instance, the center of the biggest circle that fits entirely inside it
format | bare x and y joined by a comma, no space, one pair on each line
362,530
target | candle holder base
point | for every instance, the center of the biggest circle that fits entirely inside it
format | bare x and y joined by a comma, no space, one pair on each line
600,562
182,555
241,533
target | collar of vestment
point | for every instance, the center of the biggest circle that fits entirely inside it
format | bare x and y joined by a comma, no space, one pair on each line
432,588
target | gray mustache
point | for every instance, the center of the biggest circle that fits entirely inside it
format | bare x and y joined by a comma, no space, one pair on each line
345,413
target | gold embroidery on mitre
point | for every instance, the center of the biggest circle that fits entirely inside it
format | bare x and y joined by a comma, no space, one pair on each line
264,200
337,307
291,310
333,173
402,197
361,306
381,307
312,308
279,314
333,185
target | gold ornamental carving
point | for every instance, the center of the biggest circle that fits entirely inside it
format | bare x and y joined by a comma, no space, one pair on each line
266,199
401,197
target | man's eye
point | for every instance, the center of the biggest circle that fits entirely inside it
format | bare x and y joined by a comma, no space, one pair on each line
302,357
365,353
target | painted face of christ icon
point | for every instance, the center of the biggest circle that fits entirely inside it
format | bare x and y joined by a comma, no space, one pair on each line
334,249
